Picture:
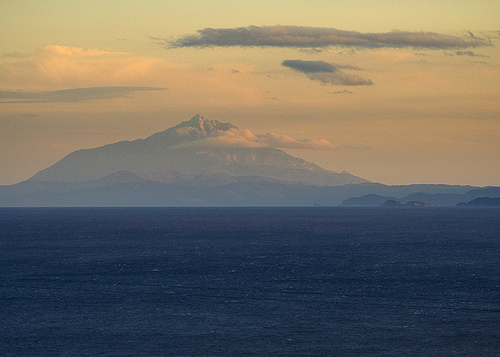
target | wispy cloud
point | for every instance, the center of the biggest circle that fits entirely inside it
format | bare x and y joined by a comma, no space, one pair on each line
14,55
340,78
464,53
326,73
345,91
59,67
75,67
245,138
309,66
319,37
284,141
72,95
469,53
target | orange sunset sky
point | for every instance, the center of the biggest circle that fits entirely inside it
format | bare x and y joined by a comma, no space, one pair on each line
401,91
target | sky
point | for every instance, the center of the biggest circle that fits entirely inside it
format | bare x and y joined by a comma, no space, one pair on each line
396,92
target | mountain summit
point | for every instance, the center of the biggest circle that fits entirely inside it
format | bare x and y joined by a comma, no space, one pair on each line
198,127
204,125
198,146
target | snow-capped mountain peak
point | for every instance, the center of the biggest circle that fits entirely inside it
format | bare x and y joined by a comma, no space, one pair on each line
205,125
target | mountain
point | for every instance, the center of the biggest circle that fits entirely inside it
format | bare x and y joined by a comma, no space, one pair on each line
396,203
366,200
190,148
482,202
436,195
204,162
129,189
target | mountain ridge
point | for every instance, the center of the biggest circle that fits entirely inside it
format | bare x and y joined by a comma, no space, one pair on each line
126,189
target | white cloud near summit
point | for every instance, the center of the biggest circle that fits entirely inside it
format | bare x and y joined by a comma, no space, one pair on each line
318,37
284,141
245,138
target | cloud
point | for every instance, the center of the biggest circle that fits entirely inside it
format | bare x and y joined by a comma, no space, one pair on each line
71,95
14,55
283,141
345,91
245,138
347,66
464,53
74,67
326,73
309,66
340,78
51,68
469,53
318,37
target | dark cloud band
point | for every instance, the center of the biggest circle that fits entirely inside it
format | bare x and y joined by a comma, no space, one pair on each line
326,73
299,36
469,53
71,95
309,66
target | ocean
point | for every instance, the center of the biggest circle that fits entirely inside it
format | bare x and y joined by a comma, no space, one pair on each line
311,281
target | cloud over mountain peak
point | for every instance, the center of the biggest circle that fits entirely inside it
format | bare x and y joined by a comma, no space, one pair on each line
217,134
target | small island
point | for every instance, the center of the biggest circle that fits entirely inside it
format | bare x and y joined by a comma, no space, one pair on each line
396,203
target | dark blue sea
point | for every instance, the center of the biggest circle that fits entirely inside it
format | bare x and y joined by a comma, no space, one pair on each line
311,281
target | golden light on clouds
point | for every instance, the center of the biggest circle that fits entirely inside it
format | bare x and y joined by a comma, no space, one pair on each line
66,67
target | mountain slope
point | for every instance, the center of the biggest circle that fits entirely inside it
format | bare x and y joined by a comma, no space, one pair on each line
188,149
